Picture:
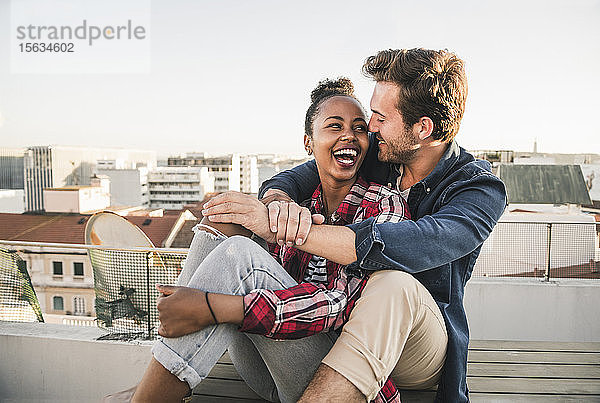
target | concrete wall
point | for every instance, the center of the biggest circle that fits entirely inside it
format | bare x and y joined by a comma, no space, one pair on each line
530,309
59,363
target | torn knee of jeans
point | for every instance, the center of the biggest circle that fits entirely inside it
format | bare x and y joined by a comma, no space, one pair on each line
210,232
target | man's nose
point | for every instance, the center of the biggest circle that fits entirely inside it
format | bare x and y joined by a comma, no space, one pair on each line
371,126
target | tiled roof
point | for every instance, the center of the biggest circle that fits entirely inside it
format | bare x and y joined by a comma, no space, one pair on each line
69,228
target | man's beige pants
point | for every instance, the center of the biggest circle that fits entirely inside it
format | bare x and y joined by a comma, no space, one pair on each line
396,329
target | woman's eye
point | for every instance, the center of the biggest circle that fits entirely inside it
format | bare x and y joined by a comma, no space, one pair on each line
335,125
360,128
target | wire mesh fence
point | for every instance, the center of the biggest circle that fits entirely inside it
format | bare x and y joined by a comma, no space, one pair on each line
126,295
18,301
541,249
124,279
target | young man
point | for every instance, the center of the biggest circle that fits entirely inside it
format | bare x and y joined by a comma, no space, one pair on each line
422,265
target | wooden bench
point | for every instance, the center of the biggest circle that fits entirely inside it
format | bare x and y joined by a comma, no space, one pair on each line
498,371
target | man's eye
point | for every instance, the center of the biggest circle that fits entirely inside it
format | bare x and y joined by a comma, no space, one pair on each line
380,120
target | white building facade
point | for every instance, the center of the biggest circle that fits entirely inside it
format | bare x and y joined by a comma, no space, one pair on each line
128,187
232,172
63,280
173,187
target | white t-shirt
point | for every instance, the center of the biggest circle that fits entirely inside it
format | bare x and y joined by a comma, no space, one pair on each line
404,193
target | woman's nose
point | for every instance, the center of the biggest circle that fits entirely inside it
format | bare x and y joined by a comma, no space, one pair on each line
348,135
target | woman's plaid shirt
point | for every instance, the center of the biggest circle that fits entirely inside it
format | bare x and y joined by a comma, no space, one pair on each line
325,295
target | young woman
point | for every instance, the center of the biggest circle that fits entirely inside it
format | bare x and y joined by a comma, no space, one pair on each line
238,297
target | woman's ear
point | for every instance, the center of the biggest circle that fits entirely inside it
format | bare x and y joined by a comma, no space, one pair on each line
308,144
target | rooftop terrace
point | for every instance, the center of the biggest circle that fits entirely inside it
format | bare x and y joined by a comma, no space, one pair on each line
532,310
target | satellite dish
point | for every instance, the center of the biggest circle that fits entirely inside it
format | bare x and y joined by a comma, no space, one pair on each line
110,229
122,278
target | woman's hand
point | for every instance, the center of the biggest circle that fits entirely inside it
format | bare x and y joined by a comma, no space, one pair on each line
181,311
290,221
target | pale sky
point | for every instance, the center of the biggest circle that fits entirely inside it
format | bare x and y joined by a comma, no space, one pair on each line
235,76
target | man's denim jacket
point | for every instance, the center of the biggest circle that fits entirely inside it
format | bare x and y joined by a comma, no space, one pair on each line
453,211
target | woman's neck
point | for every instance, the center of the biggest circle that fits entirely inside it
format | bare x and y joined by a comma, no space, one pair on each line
333,193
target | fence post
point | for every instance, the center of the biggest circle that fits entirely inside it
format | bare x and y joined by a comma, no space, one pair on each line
547,274
148,256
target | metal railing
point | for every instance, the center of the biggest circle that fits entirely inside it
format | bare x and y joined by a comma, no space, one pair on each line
124,283
547,250
125,278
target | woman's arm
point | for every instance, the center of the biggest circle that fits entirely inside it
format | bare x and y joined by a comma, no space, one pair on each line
184,310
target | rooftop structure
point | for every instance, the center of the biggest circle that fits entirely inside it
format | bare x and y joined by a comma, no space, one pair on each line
77,198
544,184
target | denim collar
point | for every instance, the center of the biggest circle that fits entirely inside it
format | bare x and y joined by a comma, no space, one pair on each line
448,160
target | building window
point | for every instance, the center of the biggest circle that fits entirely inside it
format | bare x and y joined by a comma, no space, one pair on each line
58,303
78,269
57,269
78,306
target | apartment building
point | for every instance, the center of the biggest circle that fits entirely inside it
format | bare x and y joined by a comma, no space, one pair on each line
175,186
232,172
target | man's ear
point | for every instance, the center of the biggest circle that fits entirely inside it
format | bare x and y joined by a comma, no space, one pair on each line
424,127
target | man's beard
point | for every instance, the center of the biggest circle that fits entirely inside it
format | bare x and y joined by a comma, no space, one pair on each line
400,150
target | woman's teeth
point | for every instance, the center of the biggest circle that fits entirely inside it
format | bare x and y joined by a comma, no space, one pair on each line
346,156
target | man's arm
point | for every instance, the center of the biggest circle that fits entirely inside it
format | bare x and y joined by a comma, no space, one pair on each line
335,243
470,211
299,182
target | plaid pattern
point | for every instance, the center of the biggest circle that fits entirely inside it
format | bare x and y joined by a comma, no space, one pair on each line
315,305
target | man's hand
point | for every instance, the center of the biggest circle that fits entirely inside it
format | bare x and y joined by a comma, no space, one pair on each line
240,208
181,311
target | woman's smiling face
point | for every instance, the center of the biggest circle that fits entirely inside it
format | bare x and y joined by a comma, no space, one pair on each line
340,140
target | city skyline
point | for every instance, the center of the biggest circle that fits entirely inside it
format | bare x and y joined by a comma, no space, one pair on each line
236,77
